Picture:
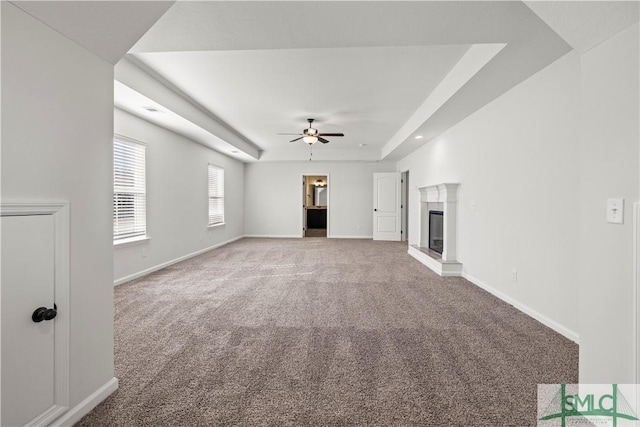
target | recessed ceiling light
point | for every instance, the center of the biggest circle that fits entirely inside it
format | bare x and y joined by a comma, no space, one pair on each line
362,145
418,136
152,109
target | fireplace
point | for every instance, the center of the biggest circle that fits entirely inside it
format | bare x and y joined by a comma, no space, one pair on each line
436,231
436,243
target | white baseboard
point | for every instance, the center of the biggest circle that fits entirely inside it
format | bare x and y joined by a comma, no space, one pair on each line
284,236
350,237
272,236
133,276
74,414
525,309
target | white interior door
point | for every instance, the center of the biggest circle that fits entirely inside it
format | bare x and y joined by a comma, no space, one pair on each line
34,354
386,206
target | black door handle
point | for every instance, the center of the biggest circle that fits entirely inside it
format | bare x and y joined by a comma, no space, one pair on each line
375,210
44,313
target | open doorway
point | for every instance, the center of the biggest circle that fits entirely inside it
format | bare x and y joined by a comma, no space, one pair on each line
316,205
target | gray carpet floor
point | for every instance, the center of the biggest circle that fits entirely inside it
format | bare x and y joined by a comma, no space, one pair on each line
323,332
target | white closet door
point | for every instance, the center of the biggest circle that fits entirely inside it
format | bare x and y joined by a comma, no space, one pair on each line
28,282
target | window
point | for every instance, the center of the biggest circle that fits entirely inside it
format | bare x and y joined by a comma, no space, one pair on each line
216,195
129,189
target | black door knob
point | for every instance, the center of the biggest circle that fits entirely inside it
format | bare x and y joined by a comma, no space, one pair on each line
44,313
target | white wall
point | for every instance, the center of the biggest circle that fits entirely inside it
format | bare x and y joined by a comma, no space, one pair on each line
516,159
609,168
57,127
273,197
177,199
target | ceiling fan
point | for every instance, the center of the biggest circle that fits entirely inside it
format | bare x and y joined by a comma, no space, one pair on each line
311,135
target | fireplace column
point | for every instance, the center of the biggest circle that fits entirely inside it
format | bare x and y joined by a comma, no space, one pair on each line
450,200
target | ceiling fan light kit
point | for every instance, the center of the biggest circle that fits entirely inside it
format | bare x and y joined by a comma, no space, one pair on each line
310,139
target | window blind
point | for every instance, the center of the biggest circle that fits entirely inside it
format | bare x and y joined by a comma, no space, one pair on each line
129,189
216,195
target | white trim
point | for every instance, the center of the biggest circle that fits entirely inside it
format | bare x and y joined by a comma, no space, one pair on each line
31,208
47,416
273,236
404,205
83,408
123,243
286,236
171,262
60,213
636,291
525,309
126,138
370,237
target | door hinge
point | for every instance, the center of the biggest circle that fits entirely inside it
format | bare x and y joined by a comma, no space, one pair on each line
401,206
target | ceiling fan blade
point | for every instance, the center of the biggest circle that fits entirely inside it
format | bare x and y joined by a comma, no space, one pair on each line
331,134
294,140
321,139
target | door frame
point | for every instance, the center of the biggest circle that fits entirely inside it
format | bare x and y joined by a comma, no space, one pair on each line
636,291
302,201
404,205
60,213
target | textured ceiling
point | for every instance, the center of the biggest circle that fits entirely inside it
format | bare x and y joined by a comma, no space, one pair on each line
584,24
107,28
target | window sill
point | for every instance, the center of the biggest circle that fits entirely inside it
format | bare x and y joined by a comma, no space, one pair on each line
220,224
132,241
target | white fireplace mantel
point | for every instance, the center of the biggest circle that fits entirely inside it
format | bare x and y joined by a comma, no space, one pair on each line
442,197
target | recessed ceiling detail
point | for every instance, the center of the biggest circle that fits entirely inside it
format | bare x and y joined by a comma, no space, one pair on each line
366,93
379,72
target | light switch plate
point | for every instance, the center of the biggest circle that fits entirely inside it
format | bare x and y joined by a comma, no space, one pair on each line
615,211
